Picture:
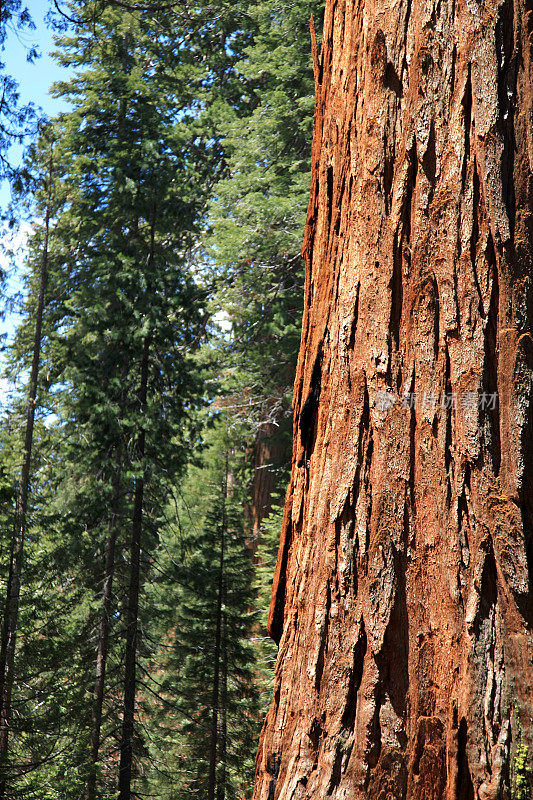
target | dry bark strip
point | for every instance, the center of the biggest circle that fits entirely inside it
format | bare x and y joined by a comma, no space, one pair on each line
401,596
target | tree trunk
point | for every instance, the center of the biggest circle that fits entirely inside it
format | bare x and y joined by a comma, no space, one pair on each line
267,455
130,661
400,599
103,640
215,702
223,709
12,600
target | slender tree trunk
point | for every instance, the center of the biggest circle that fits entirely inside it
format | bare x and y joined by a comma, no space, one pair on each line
213,747
130,666
401,595
223,727
103,639
12,600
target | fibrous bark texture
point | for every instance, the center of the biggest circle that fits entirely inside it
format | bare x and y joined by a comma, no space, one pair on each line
401,596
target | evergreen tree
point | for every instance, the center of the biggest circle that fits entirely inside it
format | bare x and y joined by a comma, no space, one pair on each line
153,649
258,213
201,701
11,598
257,218
134,304
126,316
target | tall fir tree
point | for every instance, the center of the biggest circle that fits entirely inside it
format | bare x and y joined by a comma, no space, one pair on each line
257,218
125,318
201,698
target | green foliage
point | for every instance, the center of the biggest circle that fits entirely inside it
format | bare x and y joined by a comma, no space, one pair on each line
180,673
15,120
266,555
521,768
182,165
258,210
120,276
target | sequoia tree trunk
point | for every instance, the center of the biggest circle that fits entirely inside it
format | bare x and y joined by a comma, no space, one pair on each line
267,457
401,595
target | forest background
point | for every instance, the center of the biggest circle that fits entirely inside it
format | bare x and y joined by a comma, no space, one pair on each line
145,438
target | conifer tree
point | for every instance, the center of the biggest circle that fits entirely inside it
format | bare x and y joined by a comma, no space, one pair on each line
133,302
11,602
166,110
126,313
257,218
201,699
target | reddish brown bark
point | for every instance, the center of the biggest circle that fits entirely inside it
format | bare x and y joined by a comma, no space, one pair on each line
267,455
401,596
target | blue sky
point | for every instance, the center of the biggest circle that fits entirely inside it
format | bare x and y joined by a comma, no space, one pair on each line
34,81
35,78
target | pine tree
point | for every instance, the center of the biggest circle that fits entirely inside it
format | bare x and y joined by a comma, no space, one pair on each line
201,695
11,600
257,220
125,317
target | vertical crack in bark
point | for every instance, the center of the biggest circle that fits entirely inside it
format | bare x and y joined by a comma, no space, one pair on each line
401,261
353,327
507,57
393,660
467,123
488,593
478,222
309,414
277,604
336,771
463,520
346,543
388,173
356,675
429,160
396,287
323,636
464,789
490,371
